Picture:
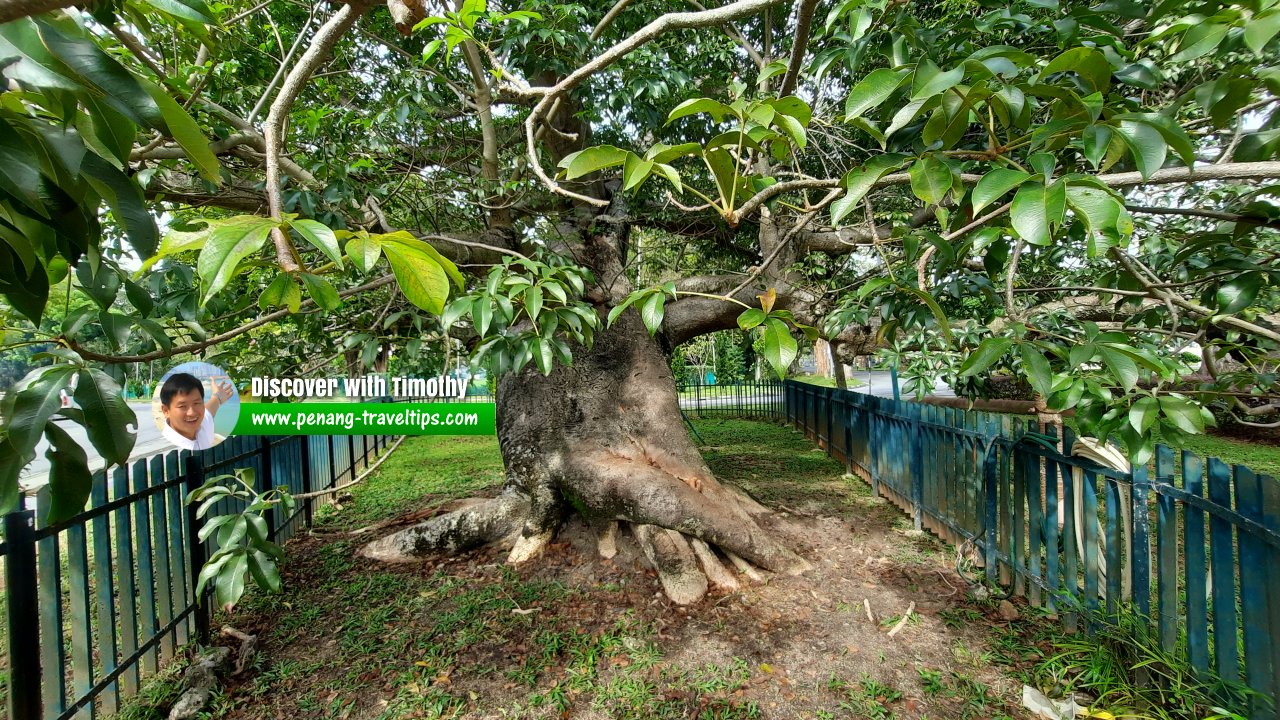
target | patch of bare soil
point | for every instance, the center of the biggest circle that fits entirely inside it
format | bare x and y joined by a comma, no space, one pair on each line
569,635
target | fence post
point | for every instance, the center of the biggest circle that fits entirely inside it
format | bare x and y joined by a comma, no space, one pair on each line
24,616
306,478
1139,535
333,462
917,464
195,478
351,455
266,482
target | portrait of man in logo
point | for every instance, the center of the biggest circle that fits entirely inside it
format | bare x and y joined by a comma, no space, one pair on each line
195,406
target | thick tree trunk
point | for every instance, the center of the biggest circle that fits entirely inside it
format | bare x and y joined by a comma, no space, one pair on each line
604,439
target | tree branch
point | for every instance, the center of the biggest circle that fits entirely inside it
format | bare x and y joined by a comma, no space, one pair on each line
804,23
222,337
321,45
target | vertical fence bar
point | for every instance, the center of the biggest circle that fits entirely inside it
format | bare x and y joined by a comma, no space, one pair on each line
81,624
160,548
266,481
146,569
1115,550
1140,559
1195,560
1271,520
917,467
53,653
104,591
1070,550
124,574
23,616
177,541
1226,656
306,479
1253,591
197,556
1166,551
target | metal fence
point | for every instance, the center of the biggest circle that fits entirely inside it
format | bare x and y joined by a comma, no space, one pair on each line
747,399
1191,545
98,603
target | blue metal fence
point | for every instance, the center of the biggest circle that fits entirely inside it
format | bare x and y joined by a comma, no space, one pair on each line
1191,544
98,603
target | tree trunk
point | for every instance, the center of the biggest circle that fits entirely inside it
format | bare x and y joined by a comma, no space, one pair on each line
605,439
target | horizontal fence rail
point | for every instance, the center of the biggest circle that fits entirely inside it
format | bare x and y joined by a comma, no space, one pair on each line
98,603
1192,545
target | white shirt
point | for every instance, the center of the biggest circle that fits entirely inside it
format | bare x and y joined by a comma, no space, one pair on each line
204,436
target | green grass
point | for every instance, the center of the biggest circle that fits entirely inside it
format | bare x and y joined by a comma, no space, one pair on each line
438,467
824,381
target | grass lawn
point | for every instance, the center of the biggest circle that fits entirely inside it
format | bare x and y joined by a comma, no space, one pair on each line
570,636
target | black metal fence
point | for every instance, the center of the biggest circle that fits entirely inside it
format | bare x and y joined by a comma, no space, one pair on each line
98,603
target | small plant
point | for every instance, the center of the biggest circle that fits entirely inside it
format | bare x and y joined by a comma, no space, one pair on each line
244,537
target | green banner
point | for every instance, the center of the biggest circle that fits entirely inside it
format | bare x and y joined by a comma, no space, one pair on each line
338,418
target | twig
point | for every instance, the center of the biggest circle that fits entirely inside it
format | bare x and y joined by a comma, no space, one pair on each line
903,622
866,605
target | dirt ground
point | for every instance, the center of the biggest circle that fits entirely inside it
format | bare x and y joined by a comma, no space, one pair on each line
569,635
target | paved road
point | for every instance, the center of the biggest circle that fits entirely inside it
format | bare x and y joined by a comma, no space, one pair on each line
149,443
880,384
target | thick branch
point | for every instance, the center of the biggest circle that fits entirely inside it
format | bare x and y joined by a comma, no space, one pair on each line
16,9
804,22
321,45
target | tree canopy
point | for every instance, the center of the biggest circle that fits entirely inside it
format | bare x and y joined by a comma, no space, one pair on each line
1080,194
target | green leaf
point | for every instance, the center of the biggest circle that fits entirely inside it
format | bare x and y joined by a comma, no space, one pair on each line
750,318
872,90
69,478
717,110
228,586
194,10
859,181
1259,30
651,312
421,278
1239,292
635,170
1182,413
543,355
592,159
108,418
264,571
929,80
175,242
1096,139
1037,369
779,347
1200,39
128,205
1146,143
322,291
930,179
793,130
277,294
533,301
187,133
320,237
228,243
455,310
936,309
994,185
482,315
364,251
11,465
124,90
1030,215
37,397
792,107
1142,414
985,355
1122,367
725,170
661,153
1089,63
